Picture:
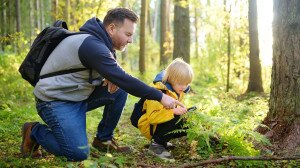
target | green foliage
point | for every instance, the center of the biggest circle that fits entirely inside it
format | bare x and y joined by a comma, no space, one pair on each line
14,89
217,24
14,42
224,124
131,61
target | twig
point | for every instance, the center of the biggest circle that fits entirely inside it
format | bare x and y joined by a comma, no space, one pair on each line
146,166
229,158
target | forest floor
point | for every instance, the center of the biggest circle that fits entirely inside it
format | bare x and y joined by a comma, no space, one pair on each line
229,115
14,115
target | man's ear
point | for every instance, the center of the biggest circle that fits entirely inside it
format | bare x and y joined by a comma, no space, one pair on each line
111,28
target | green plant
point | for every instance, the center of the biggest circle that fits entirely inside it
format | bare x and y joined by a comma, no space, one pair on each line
225,125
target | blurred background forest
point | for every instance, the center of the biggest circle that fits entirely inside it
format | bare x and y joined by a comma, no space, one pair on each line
215,32
227,42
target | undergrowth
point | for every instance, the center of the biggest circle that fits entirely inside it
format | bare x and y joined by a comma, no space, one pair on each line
222,125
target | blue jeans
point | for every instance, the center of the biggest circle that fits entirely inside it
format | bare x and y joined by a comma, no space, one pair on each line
65,132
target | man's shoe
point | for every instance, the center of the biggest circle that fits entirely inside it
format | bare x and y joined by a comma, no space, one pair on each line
160,151
109,145
29,146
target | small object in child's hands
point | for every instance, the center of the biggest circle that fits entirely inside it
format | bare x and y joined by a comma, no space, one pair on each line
192,109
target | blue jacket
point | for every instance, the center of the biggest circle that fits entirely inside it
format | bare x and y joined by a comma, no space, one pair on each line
95,51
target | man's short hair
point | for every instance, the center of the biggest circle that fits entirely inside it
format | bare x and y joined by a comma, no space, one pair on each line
118,15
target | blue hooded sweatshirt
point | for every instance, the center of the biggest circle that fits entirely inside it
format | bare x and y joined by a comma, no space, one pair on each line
96,52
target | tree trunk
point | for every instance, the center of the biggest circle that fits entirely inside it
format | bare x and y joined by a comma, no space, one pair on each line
18,24
156,13
255,80
31,18
181,32
227,26
73,17
228,56
5,20
67,13
208,2
143,36
12,23
100,4
149,19
18,20
283,118
164,21
42,14
54,10
37,14
124,4
196,33
2,22
11,17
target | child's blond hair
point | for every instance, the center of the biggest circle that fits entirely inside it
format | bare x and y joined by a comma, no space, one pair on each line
178,72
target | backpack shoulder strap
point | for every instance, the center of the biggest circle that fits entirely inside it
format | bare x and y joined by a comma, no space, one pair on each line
63,24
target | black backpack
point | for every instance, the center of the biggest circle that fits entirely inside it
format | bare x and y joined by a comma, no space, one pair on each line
40,50
138,111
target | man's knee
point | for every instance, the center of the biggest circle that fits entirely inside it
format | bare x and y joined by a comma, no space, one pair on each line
79,154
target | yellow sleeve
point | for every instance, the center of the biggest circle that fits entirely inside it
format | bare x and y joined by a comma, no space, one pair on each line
156,113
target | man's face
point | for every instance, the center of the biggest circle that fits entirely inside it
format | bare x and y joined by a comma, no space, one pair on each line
121,34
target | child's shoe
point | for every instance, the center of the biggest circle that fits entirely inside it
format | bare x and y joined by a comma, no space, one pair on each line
169,146
160,151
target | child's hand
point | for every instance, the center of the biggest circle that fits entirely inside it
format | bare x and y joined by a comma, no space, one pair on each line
179,110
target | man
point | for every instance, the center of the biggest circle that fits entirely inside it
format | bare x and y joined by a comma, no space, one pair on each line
63,100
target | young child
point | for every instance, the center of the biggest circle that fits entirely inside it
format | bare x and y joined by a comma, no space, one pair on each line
157,122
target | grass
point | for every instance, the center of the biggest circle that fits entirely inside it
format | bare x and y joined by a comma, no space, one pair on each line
228,116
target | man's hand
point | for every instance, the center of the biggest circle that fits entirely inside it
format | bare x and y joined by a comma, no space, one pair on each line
111,88
179,110
169,102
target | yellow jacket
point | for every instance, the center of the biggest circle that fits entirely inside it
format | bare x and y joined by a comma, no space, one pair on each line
155,113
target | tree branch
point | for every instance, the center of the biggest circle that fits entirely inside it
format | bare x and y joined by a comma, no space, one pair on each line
146,166
230,158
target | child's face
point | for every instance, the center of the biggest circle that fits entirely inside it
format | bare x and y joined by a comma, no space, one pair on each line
179,87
